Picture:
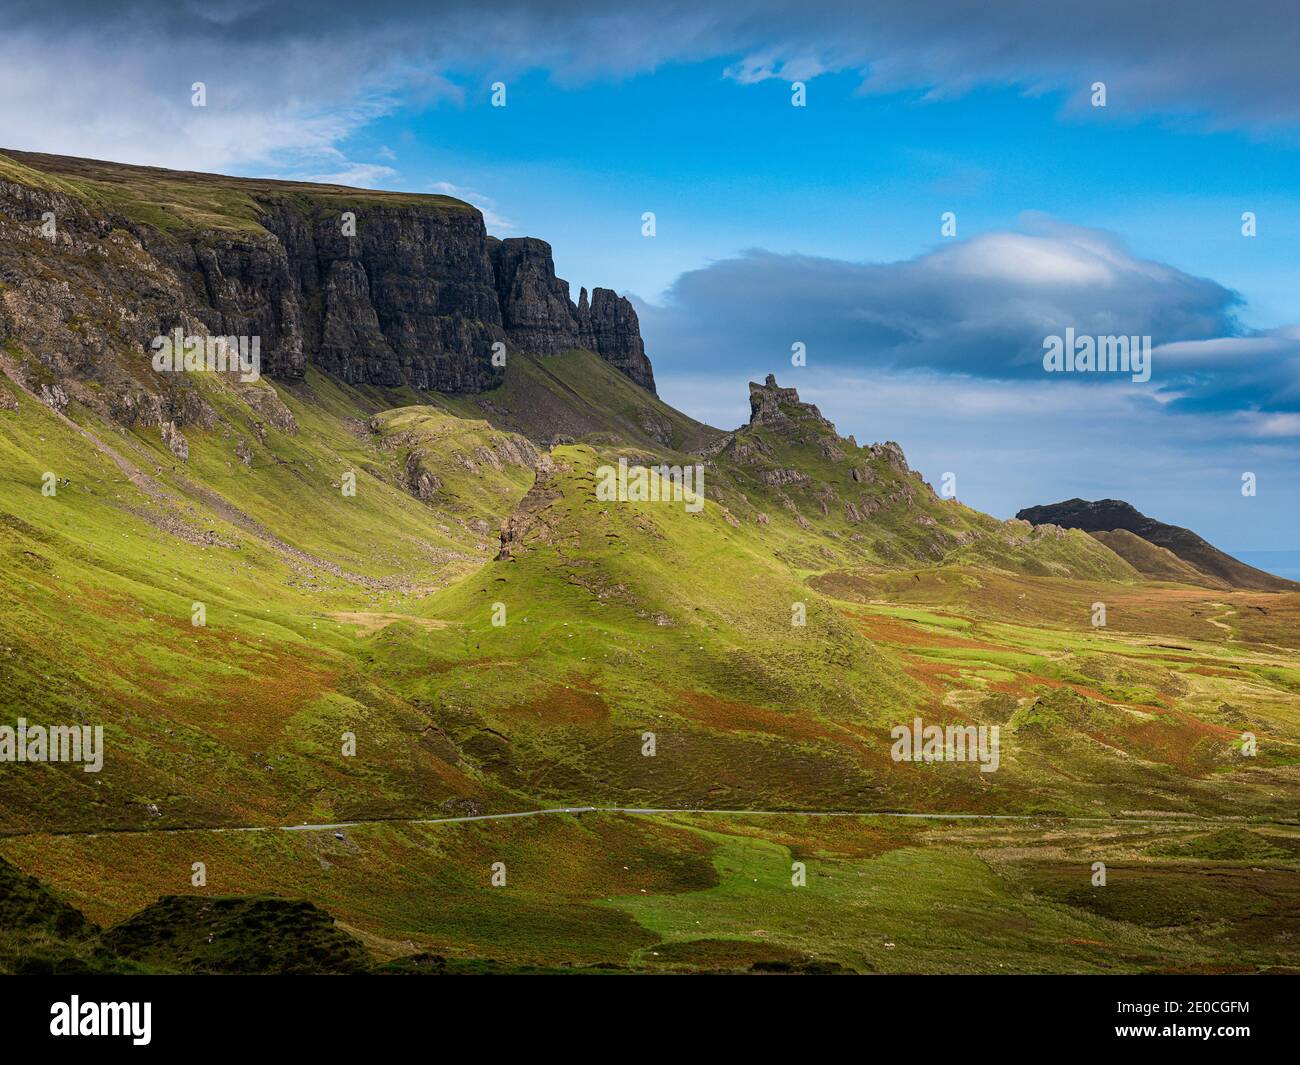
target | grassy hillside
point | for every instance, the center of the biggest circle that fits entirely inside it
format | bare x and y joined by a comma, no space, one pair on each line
574,396
329,604
176,201
1151,560
372,614
816,499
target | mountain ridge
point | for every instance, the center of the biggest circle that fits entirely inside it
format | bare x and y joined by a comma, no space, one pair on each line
387,289
1105,517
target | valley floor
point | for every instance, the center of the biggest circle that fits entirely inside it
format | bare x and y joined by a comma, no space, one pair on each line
718,892
1203,877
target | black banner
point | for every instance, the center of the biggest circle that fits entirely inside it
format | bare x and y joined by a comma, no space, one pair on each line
149,1014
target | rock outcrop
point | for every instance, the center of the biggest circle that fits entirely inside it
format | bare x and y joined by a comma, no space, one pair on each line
408,291
539,316
535,307
611,329
781,408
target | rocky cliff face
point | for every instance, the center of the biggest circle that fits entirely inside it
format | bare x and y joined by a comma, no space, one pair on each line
777,407
417,295
539,316
611,329
409,299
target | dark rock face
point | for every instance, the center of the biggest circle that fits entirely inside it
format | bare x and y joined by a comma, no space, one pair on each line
611,329
535,306
410,299
781,408
239,287
418,296
539,316
1100,516
85,304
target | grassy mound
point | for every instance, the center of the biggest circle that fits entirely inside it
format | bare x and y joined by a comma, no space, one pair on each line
1226,845
263,935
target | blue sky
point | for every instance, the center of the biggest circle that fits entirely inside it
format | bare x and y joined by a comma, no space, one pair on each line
819,224
728,167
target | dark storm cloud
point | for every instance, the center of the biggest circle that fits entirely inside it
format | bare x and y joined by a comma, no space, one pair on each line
303,75
1259,373
981,308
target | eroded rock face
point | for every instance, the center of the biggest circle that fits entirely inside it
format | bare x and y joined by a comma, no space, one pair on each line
778,477
611,329
536,310
175,441
539,316
409,299
528,524
422,482
417,295
237,286
891,453
781,408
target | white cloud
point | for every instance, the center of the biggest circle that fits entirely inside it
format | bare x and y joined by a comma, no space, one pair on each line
979,307
295,78
358,175
1275,425
495,222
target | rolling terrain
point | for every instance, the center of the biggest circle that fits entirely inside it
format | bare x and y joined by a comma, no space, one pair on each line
412,551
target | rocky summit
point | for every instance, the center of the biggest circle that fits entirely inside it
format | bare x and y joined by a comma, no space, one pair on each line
1109,519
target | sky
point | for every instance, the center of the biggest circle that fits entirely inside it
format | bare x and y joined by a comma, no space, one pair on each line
818,225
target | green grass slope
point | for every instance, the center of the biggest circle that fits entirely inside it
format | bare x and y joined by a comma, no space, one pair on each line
372,614
240,718
1152,560
576,396
178,201
818,500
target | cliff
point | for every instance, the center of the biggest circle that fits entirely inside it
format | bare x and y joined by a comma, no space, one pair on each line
539,316
376,288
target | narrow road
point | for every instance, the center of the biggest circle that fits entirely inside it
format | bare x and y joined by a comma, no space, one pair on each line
654,811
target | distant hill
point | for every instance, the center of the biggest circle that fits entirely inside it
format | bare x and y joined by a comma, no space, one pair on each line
1151,560
1111,518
